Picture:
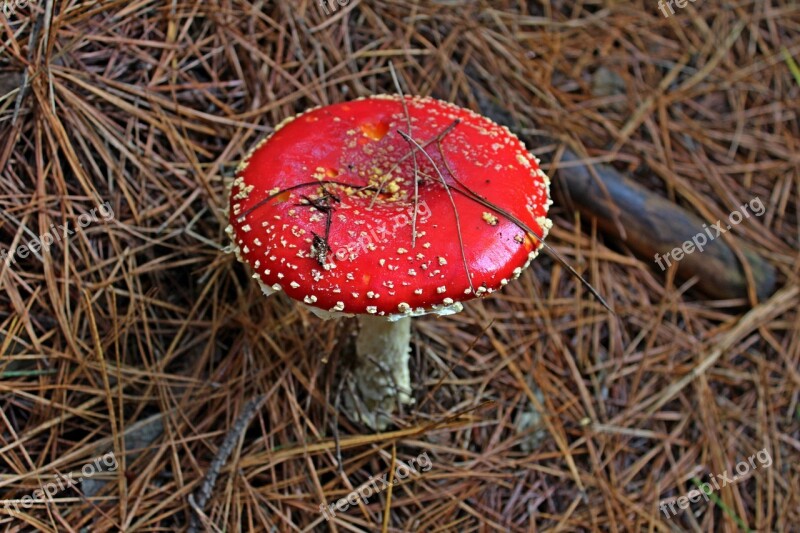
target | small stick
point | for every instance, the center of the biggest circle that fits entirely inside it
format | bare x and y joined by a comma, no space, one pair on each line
413,150
469,194
527,229
241,217
337,442
321,245
199,503
416,166
452,202
32,45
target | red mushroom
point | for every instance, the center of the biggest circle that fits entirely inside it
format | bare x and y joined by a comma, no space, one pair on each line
344,211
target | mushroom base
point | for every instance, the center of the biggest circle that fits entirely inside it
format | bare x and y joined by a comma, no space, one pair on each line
381,378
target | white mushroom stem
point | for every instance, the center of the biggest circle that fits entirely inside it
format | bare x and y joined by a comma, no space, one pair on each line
381,377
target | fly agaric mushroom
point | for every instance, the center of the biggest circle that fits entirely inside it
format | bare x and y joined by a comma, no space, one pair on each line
329,209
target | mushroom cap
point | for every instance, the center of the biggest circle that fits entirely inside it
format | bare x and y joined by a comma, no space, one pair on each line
323,208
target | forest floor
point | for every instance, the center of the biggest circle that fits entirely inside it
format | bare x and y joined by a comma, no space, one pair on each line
139,357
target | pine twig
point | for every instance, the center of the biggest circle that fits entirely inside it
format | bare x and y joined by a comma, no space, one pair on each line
198,503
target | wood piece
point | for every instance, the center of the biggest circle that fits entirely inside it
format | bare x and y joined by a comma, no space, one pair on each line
654,225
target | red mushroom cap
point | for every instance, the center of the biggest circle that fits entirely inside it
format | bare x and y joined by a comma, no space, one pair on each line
307,215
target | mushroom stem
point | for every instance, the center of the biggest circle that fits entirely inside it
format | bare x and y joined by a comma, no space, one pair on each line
381,377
